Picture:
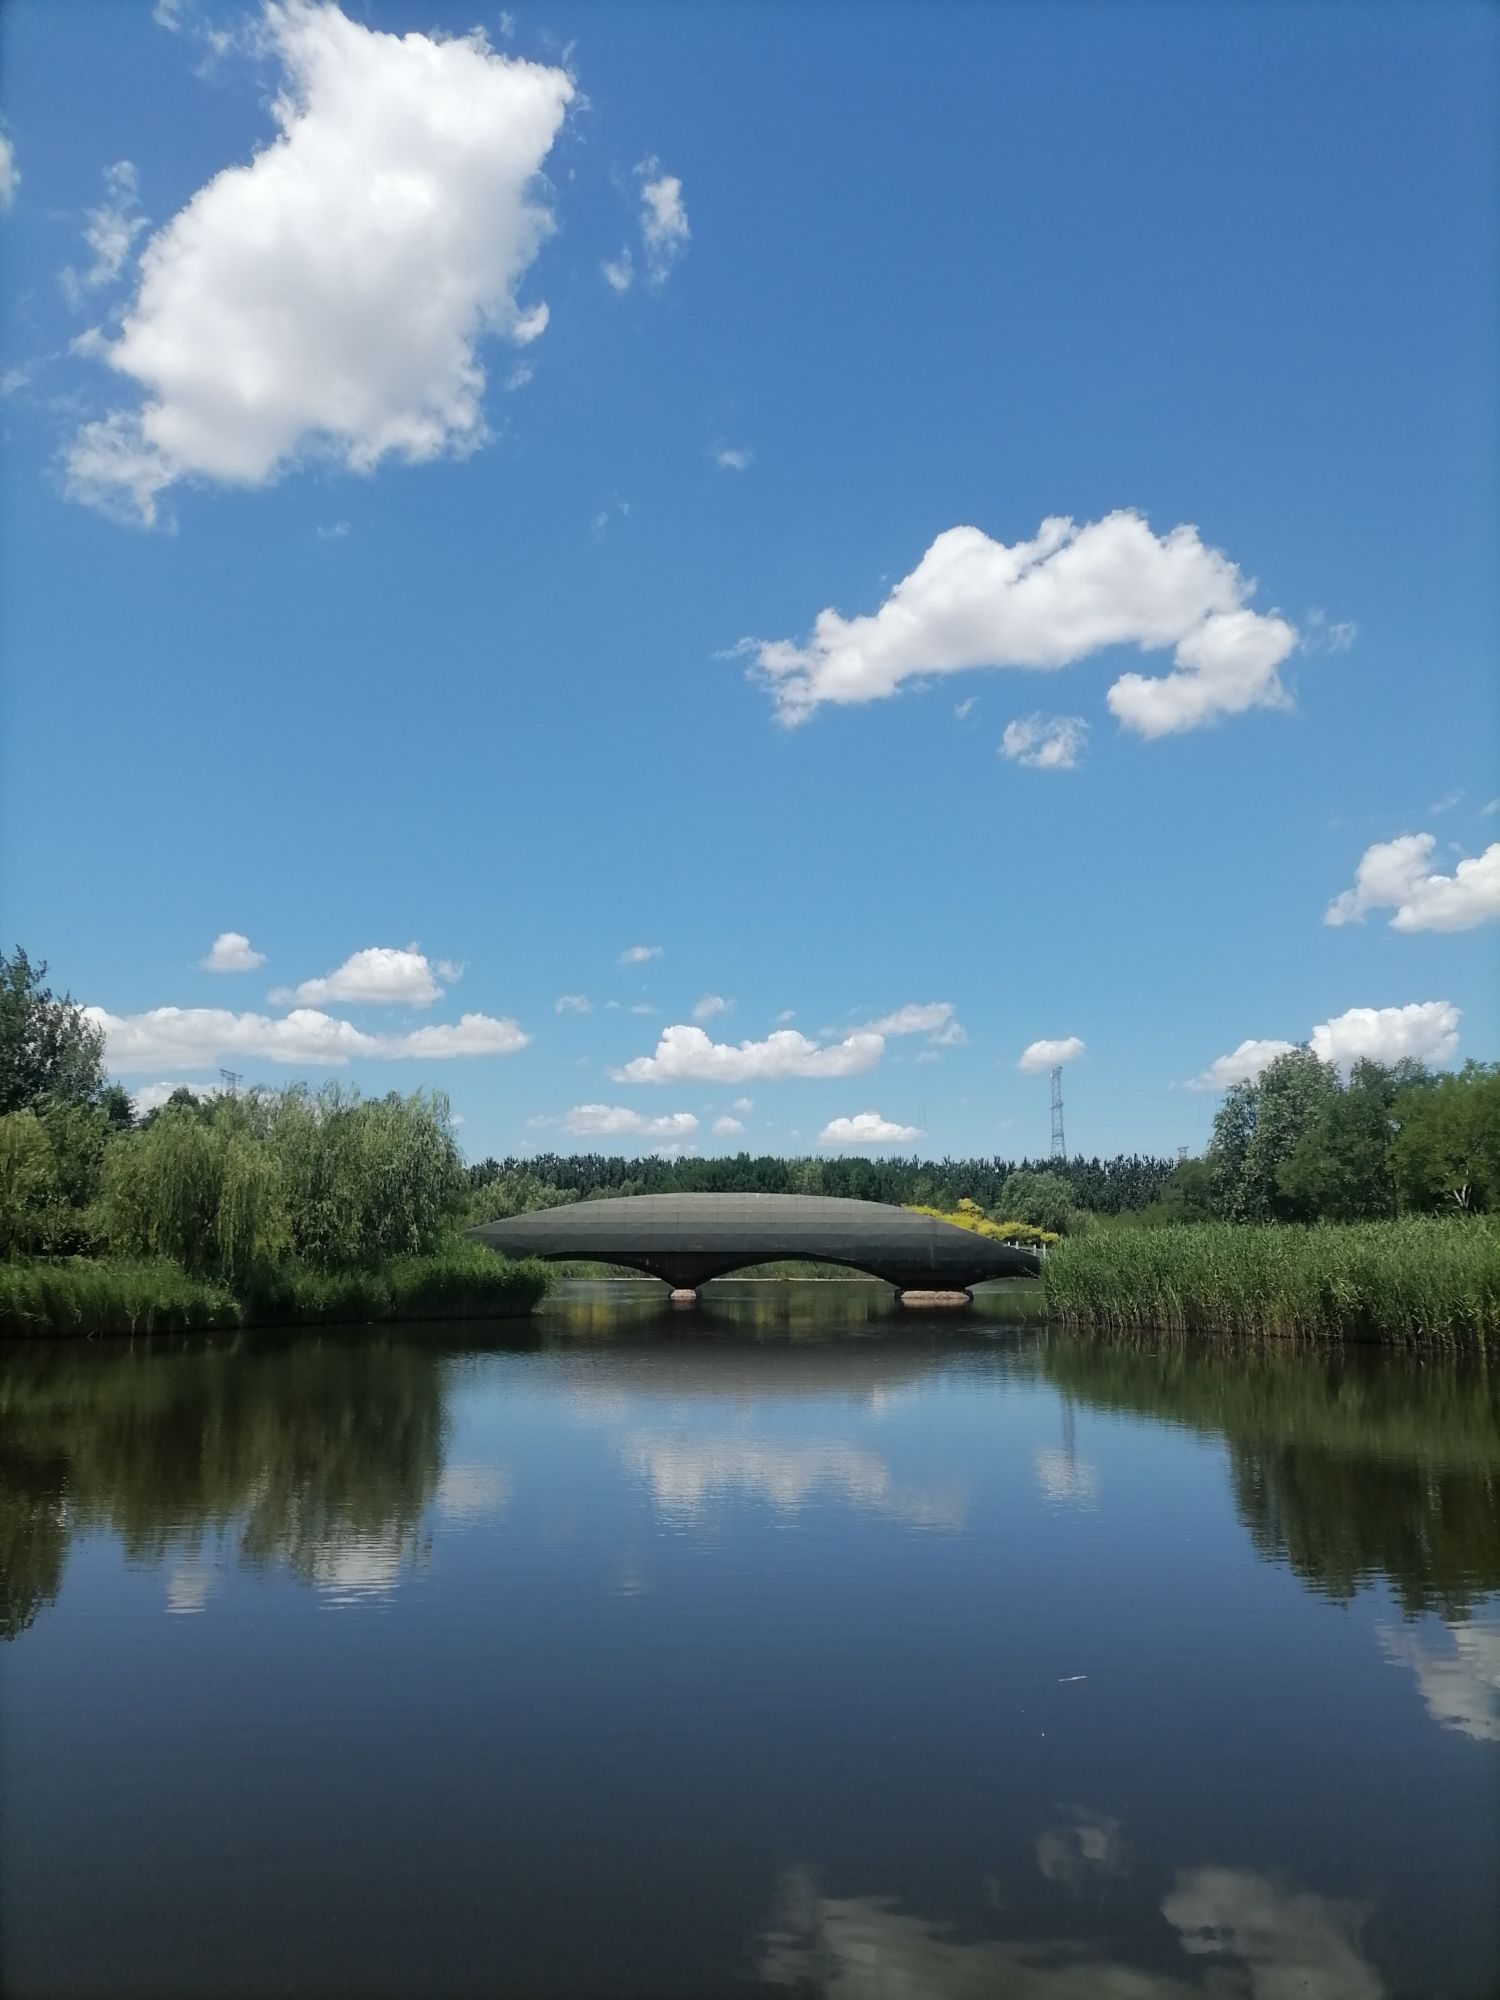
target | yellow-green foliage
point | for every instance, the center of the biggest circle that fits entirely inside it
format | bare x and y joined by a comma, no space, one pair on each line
969,1215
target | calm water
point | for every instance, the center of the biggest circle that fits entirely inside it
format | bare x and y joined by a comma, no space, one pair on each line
803,1649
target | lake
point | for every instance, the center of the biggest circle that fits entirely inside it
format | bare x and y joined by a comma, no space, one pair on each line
799,1645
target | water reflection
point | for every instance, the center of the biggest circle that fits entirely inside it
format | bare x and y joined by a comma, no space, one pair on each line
320,1457
1267,1943
1347,1466
1459,1678
1083,1846
689,1476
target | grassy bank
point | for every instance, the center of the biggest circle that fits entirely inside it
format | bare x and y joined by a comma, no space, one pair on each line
1418,1280
80,1295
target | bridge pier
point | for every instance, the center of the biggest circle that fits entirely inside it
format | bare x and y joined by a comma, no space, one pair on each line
929,1301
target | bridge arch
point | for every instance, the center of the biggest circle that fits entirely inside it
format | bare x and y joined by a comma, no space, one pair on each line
688,1240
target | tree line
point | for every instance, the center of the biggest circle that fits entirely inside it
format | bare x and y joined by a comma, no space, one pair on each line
1127,1181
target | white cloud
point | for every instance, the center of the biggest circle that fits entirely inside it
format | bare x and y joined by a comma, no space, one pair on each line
617,1121
330,296
337,531
1492,807
1045,742
965,708
10,173
200,1037
733,457
382,976
230,952
470,1035
918,1017
664,223
110,231
866,1128
1042,1055
1242,1065
1072,591
638,954
572,1003
727,1128
1398,875
1426,1031
710,1005
686,1055
619,272
743,1105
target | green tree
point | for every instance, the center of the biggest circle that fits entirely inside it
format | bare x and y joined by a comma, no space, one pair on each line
1446,1150
1258,1127
1339,1170
50,1052
1043,1199
28,1184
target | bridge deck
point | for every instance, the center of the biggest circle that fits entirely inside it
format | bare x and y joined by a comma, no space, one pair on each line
687,1239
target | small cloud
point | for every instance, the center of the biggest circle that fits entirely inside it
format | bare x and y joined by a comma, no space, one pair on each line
336,531
867,1128
450,971
109,231
523,373
230,952
786,1014
618,1121
1492,807
727,1128
1045,743
733,457
965,708
382,976
1037,1056
507,25
710,1005
619,272
638,954
10,173
664,224
743,1105
642,1007
1322,634
1448,801
572,1003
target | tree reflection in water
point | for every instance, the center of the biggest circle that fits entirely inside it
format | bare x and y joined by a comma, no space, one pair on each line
320,1455
1348,1465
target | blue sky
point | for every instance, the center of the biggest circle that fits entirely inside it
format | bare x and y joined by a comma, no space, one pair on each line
445,649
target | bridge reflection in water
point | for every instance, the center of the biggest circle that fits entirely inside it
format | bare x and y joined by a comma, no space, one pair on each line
688,1239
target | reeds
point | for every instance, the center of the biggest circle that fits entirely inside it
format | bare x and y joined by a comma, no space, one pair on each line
78,1295
1419,1280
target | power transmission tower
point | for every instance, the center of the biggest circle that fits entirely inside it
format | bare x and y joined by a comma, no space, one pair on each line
1059,1144
231,1079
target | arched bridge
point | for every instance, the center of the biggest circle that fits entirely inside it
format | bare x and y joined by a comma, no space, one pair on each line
686,1239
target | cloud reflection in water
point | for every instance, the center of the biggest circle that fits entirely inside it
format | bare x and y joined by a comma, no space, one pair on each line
1275,1944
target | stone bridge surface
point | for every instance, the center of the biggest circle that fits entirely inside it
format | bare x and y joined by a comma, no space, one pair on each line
687,1239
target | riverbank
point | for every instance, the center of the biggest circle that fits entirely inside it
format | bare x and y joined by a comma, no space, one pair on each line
1422,1280
84,1295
